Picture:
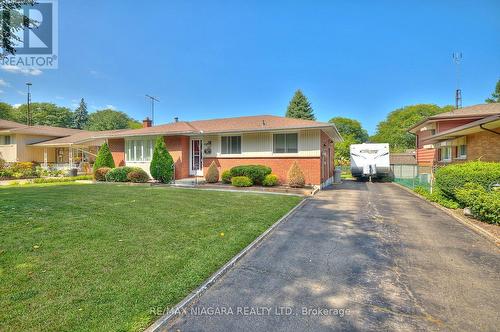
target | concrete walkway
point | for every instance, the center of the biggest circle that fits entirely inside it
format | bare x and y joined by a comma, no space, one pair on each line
362,256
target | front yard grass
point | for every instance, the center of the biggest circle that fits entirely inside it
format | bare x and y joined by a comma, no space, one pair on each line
90,257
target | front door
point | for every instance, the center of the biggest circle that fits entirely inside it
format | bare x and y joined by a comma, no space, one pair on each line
196,157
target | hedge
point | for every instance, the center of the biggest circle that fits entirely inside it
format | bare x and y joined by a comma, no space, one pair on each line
256,173
484,205
452,177
63,179
437,197
119,174
241,181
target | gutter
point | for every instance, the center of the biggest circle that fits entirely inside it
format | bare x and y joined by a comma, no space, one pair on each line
491,131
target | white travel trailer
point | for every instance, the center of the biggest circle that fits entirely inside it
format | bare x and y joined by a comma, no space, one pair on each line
370,160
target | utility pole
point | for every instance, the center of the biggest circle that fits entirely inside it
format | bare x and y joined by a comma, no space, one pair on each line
29,120
153,99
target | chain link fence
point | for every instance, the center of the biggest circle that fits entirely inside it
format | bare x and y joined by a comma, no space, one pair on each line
412,176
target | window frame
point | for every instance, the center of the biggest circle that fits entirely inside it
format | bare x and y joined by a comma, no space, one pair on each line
137,148
286,145
459,152
4,140
442,154
229,145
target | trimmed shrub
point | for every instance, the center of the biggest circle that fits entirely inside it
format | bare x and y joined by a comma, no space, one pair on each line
138,176
119,174
437,197
484,205
100,173
452,177
212,175
104,158
161,167
270,180
241,181
226,176
296,178
256,173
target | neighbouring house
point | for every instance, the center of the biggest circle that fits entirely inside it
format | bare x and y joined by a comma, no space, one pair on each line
469,133
263,139
403,164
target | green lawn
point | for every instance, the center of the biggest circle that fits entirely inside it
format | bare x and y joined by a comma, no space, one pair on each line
103,257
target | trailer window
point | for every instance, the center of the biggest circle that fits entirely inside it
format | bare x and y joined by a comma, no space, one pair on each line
369,151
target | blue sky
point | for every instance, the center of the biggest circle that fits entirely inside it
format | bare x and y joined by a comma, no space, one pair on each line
206,59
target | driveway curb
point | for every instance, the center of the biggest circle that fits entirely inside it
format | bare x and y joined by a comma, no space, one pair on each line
490,237
160,325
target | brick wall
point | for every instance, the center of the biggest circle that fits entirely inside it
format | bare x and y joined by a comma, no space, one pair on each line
178,146
117,148
311,166
484,145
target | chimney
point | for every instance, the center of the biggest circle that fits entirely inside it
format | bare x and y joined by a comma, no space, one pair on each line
176,119
146,123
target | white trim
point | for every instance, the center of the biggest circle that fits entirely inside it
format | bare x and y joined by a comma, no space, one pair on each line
198,172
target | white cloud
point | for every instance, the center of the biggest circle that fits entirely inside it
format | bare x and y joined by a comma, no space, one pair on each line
111,107
16,105
4,83
19,70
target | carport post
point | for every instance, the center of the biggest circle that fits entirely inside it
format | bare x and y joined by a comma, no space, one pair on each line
45,157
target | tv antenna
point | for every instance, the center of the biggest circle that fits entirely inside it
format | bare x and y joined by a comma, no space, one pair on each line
153,99
457,60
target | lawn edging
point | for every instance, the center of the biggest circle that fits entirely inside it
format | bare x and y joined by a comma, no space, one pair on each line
161,323
489,236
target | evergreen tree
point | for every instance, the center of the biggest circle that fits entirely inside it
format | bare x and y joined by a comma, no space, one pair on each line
300,108
81,116
161,167
495,96
104,158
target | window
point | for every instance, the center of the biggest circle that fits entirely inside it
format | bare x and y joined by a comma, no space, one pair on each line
285,143
462,151
5,140
139,150
445,154
230,144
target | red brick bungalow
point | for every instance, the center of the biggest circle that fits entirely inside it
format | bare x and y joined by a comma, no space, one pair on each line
469,133
263,139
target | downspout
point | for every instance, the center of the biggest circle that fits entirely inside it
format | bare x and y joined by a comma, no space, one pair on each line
491,131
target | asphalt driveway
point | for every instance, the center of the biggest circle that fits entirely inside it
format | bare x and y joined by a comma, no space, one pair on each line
361,256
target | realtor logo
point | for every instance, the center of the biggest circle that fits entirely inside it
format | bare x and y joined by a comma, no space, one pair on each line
36,47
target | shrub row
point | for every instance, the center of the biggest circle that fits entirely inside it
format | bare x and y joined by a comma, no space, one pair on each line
484,205
63,179
437,197
121,174
256,173
453,177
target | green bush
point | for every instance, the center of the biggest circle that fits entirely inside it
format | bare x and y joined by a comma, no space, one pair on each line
63,179
256,173
452,177
484,205
161,167
270,180
241,181
100,173
2,163
138,176
226,176
23,169
119,174
104,158
437,197
6,173
212,175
